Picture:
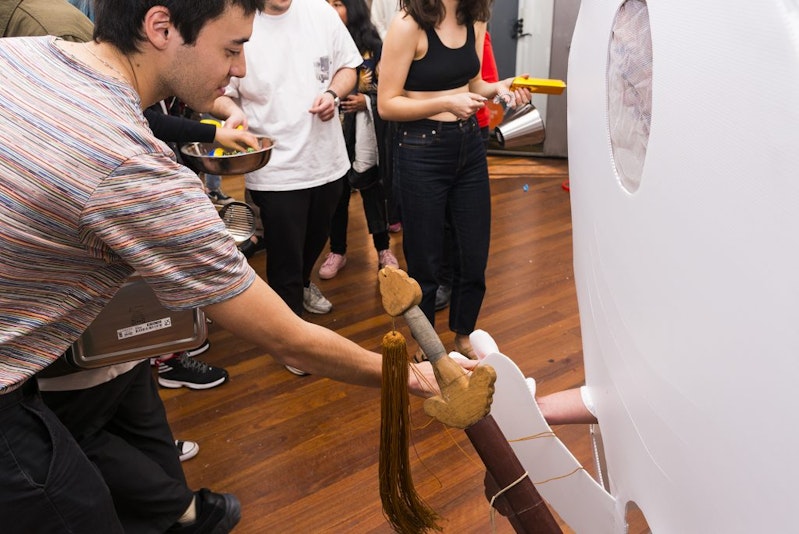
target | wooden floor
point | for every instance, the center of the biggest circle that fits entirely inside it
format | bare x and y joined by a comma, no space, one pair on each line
301,453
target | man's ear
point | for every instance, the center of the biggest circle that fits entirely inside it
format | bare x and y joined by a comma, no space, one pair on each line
158,28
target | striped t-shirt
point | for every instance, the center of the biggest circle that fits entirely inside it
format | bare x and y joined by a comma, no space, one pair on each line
88,196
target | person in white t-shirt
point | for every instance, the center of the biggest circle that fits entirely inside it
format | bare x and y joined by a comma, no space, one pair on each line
300,59
382,13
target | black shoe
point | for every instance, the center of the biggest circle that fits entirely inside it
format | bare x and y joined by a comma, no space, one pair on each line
250,248
217,513
443,294
191,353
180,370
219,198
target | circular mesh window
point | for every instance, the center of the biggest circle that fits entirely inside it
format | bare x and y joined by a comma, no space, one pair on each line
630,91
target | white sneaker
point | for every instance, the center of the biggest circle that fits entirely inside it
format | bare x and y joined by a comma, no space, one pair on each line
187,449
295,371
332,265
313,300
385,258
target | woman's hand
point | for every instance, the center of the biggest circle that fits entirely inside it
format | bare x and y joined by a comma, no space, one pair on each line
512,98
353,103
464,105
236,119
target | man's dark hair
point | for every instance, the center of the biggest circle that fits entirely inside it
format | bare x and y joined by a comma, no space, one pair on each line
120,22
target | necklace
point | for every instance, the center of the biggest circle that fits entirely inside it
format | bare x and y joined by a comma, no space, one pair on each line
120,76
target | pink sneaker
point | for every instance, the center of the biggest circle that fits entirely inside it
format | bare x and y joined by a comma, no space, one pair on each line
386,259
332,265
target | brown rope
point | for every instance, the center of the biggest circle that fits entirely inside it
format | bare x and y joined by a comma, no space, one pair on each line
402,506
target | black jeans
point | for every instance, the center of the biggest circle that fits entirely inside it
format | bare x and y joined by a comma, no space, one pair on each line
442,174
296,228
374,208
121,426
46,482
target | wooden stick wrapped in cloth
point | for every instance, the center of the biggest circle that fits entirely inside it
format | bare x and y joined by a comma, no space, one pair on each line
465,402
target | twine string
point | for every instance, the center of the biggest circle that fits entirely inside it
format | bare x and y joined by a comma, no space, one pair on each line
492,510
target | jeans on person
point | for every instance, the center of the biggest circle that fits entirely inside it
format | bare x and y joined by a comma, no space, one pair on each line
213,182
374,208
122,427
442,175
296,228
46,482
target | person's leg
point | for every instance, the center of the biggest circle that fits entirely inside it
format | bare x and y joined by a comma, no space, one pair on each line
339,222
374,208
121,425
470,216
256,242
46,482
285,217
426,158
322,204
444,290
336,259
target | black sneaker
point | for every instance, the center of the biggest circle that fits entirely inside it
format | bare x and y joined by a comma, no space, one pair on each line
180,370
191,353
217,513
219,198
250,248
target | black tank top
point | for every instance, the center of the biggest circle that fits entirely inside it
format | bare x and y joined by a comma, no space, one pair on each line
443,68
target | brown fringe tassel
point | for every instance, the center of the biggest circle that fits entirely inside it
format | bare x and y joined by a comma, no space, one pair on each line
402,506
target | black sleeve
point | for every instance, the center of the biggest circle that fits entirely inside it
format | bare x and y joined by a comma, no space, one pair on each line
171,129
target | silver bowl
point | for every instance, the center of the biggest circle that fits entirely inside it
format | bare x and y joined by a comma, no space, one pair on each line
199,157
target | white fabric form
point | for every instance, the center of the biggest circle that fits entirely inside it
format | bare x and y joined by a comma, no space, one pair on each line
291,59
687,283
365,140
555,472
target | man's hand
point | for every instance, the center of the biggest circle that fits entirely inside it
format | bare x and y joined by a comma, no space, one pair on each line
324,107
422,379
236,139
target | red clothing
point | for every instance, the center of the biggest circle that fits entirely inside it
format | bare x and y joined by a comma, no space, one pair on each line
490,74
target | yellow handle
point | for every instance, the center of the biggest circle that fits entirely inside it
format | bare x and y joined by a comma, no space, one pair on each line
539,85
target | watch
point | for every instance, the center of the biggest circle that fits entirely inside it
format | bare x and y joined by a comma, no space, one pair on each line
336,99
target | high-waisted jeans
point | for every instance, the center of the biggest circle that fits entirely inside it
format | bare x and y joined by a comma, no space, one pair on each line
442,174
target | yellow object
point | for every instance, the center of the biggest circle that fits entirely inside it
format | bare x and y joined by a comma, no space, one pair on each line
539,85
218,152
212,121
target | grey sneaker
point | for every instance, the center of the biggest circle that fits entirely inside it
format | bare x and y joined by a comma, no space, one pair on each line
313,300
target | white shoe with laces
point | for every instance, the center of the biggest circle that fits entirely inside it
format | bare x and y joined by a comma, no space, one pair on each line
313,300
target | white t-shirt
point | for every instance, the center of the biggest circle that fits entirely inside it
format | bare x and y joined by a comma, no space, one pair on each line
382,13
291,59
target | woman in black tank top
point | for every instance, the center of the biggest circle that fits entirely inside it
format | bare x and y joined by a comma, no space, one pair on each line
430,85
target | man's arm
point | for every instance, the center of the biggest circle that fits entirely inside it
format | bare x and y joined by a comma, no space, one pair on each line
260,316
